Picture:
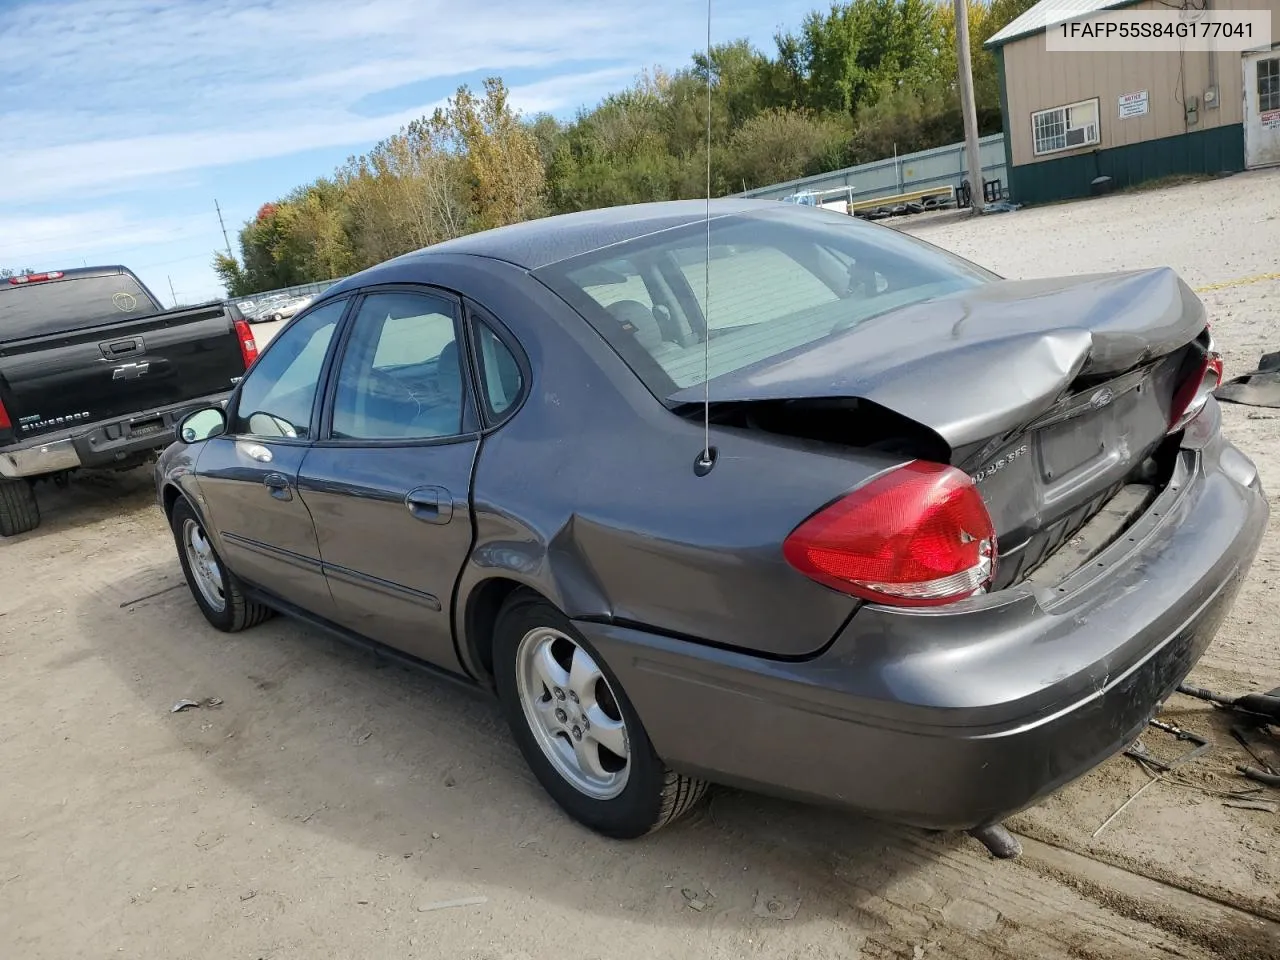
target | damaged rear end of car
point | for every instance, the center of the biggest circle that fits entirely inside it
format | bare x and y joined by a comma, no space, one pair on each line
1040,530
1028,408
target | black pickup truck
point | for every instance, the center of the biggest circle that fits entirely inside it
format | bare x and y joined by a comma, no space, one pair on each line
95,373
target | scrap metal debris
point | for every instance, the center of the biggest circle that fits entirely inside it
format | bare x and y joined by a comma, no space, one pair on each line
1267,806
182,705
1261,776
1161,768
449,904
1259,388
776,906
1264,707
698,898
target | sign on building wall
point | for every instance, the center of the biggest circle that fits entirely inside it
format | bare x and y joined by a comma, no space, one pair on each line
1270,119
1133,105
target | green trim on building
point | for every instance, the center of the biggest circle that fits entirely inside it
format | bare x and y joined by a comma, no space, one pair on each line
1217,150
998,53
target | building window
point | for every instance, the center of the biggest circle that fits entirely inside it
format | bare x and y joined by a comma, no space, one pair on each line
1065,128
1269,85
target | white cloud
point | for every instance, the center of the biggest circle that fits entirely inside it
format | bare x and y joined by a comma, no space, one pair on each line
134,89
38,238
119,114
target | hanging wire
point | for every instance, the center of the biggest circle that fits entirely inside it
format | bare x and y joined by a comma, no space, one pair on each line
706,309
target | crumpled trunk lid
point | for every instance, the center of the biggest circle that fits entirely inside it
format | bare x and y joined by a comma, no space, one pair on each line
1050,393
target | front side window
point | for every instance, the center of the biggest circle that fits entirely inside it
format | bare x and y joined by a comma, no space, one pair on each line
774,282
279,393
1065,128
401,375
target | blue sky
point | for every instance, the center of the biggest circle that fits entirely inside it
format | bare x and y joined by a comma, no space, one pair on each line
123,120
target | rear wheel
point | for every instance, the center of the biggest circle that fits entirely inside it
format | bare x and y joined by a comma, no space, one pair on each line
215,588
19,512
577,729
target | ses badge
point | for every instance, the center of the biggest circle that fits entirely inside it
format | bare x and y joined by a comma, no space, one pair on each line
995,466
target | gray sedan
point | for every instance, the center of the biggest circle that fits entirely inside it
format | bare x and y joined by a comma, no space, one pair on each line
768,497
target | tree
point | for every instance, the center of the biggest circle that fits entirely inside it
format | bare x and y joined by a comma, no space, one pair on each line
6,272
854,82
506,175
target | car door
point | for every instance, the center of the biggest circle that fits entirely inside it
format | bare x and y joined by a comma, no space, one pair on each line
249,476
389,483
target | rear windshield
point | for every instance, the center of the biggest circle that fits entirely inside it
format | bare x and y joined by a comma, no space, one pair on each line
52,306
777,282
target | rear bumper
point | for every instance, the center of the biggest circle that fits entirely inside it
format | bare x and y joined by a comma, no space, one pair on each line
100,444
958,719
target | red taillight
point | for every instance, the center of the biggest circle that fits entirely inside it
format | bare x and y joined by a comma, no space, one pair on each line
5,422
918,535
248,346
1195,391
36,277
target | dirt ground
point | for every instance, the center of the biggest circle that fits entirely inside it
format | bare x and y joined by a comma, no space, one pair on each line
334,807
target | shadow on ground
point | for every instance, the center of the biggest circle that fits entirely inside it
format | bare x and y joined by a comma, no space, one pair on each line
88,497
325,738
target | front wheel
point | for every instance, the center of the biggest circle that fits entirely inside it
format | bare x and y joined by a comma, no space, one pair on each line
216,590
577,729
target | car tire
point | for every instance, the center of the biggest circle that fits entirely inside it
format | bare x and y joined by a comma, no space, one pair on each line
620,797
19,512
217,592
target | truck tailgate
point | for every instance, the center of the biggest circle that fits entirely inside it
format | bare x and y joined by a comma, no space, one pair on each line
52,382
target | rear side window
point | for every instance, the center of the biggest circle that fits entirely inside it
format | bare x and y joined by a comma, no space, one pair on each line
500,378
774,282
401,374
29,310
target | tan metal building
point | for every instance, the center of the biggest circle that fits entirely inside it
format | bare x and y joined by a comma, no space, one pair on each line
1073,117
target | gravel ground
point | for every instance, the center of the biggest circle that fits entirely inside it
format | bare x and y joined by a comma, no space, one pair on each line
330,807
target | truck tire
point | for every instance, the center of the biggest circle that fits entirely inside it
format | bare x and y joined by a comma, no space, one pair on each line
19,511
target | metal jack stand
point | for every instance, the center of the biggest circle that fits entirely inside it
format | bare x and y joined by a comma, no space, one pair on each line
997,838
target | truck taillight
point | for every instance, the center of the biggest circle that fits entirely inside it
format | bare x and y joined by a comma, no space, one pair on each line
248,346
1195,391
5,422
36,277
916,536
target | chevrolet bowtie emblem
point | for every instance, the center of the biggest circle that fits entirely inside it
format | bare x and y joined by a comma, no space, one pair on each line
130,371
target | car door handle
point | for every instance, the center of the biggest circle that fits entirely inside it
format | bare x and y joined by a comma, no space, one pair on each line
279,485
430,504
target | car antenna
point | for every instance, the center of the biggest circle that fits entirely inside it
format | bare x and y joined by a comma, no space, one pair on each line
707,458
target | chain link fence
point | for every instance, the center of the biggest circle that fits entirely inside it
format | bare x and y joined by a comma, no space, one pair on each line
282,302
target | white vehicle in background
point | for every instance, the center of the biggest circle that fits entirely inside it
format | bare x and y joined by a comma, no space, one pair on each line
837,198
285,309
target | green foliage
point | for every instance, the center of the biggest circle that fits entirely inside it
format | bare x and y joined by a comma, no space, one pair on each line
854,83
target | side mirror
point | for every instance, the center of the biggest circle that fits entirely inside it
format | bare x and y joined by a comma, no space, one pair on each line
202,425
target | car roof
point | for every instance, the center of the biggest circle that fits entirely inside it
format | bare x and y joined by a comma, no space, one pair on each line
538,243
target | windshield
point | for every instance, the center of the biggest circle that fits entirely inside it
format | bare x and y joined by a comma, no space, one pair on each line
29,310
777,283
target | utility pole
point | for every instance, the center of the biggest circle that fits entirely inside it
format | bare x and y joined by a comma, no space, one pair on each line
224,226
964,73
171,293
